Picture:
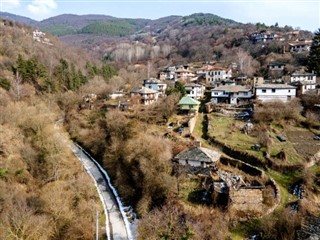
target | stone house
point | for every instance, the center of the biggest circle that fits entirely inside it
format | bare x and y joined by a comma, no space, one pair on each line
231,94
198,157
156,85
146,96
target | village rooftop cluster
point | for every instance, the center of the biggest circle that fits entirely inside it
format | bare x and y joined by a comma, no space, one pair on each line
222,87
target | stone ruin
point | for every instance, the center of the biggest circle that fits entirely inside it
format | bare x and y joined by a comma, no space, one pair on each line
245,200
87,100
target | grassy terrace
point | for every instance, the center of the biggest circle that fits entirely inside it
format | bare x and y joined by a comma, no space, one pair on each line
227,130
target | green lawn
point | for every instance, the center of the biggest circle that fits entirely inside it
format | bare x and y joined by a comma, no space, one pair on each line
228,131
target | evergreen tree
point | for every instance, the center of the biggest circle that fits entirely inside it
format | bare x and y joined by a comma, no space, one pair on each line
108,71
178,88
31,71
314,55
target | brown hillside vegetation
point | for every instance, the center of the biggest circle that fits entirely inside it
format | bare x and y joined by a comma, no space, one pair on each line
43,188
44,192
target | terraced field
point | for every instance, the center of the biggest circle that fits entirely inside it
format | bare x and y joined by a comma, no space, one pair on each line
303,142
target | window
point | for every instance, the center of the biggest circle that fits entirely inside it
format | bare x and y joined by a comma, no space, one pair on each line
215,93
245,94
273,90
289,90
264,90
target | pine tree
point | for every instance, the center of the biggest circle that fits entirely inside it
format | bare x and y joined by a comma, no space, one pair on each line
314,55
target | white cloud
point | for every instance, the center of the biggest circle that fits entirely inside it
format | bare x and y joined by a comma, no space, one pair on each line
8,4
42,7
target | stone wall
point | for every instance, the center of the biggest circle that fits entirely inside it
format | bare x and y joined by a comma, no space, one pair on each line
192,123
246,202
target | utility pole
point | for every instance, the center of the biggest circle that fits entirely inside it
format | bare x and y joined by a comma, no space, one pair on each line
97,225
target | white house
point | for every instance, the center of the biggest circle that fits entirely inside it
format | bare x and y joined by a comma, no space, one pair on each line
214,74
157,85
231,94
262,36
183,74
272,92
195,91
198,157
146,96
218,74
303,82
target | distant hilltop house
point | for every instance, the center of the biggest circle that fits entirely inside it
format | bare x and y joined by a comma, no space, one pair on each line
168,73
231,94
181,72
303,81
276,69
40,37
198,157
146,96
157,85
272,92
276,66
265,36
299,46
188,104
195,91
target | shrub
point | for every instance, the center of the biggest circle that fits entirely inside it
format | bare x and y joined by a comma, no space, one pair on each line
277,111
5,83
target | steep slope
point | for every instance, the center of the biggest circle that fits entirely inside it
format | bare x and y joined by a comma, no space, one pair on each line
44,192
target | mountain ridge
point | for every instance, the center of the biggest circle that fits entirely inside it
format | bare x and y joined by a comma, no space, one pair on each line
69,24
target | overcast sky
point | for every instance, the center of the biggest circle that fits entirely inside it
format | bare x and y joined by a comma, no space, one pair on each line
297,13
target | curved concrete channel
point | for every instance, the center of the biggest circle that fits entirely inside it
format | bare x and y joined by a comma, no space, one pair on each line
117,224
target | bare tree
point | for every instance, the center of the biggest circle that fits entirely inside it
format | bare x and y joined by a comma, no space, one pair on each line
17,86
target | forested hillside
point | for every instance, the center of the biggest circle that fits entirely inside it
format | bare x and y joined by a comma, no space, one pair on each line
180,40
44,193
176,40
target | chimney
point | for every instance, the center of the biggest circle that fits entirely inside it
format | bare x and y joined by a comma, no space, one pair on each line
198,143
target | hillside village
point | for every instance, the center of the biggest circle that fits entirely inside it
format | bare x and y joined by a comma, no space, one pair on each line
219,85
219,90
205,149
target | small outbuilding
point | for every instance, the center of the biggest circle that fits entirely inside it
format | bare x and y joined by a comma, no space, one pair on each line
198,157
